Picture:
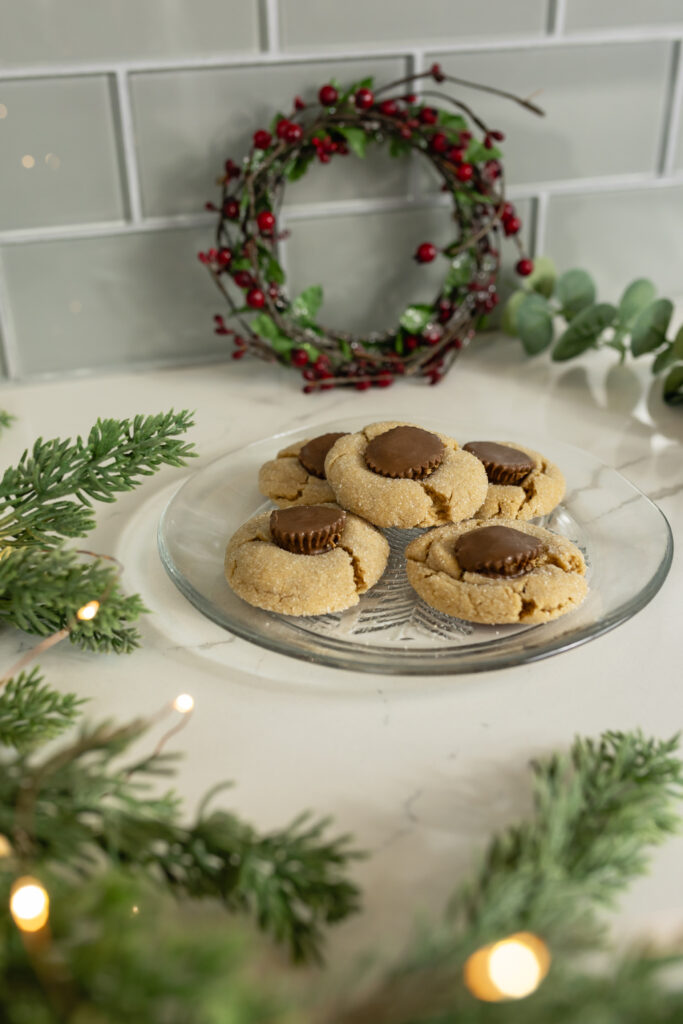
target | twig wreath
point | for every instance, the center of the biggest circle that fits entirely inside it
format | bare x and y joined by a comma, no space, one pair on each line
244,262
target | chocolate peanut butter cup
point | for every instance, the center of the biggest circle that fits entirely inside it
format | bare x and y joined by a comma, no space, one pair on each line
404,453
498,551
503,464
313,454
307,529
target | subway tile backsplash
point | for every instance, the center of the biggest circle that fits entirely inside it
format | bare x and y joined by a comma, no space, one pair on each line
115,120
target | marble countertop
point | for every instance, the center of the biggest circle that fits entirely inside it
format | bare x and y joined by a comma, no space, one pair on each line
422,771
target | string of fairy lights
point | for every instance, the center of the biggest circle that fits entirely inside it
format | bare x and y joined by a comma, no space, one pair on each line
510,969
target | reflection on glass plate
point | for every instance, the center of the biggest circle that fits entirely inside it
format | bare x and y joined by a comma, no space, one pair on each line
626,541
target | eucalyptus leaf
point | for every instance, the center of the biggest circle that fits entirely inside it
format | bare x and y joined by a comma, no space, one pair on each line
678,344
576,291
509,320
543,277
415,318
305,307
356,138
534,323
673,386
639,294
584,331
664,359
649,330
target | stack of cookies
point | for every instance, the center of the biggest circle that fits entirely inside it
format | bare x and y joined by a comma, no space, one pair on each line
480,559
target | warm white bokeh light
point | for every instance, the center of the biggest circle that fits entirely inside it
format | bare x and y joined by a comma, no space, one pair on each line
510,969
29,905
5,848
28,161
88,611
183,703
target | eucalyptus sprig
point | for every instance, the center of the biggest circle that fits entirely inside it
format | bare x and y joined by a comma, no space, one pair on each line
638,325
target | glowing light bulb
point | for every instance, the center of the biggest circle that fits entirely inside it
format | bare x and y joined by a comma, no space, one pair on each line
510,969
5,848
88,611
28,161
29,905
183,703
135,910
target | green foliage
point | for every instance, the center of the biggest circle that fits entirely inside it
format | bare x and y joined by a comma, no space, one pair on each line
415,318
305,307
6,419
48,494
32,712
638,325
265,326
42,590
357,139
459,272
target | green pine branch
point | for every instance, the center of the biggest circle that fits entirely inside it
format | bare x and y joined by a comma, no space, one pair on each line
41,590
6,420
31,712
49,493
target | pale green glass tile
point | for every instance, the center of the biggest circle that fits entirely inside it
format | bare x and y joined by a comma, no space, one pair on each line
188,122
584,15
365,265
603,107
111,302
58,155
620,236
366,25
66,31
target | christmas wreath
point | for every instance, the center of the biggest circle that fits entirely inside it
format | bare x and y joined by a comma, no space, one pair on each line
267,323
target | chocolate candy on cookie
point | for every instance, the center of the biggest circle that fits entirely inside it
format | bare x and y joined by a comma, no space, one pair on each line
297,475
510,572
523,484
307,529
397,474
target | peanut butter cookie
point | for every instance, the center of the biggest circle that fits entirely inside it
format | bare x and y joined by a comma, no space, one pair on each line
297,475
305,560
397,474
523,484
495,573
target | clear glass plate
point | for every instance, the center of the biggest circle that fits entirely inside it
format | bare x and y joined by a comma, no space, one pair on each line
625,538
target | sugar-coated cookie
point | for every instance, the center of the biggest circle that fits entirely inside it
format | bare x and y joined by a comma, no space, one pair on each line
297,475
502,572
523,484
397,474
305,560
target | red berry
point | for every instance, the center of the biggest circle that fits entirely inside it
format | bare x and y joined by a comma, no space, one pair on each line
324,158
299,103
238,353
384,380
426,252
456,154
231,169
488,141
524,267
342,149
256,299
428,115
266,222
294,132
218,319
328,95
364,99
432,334
308,374
213,255
243,279
322,363
410,97
224,257
434,377
438,143
231,209
222,329
262,139
508,210
498,136
437,73
405,132
410,343
308,389
389,107
299,357
210,206
445,311
281,128
362,385
492,169
511,225
464,172
202,257
274,290
491,302
240,342
465,137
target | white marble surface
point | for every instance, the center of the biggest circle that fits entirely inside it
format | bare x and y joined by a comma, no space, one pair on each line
421,773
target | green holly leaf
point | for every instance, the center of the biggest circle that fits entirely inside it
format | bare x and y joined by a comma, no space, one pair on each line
584,330
637,296
274,271
356,138
452,123
576,291
509,320
673,386
305,307
542,278
415,318
477,153
398,147
459,272
649,330
241,263
296,168
266,327
364,83
534,323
